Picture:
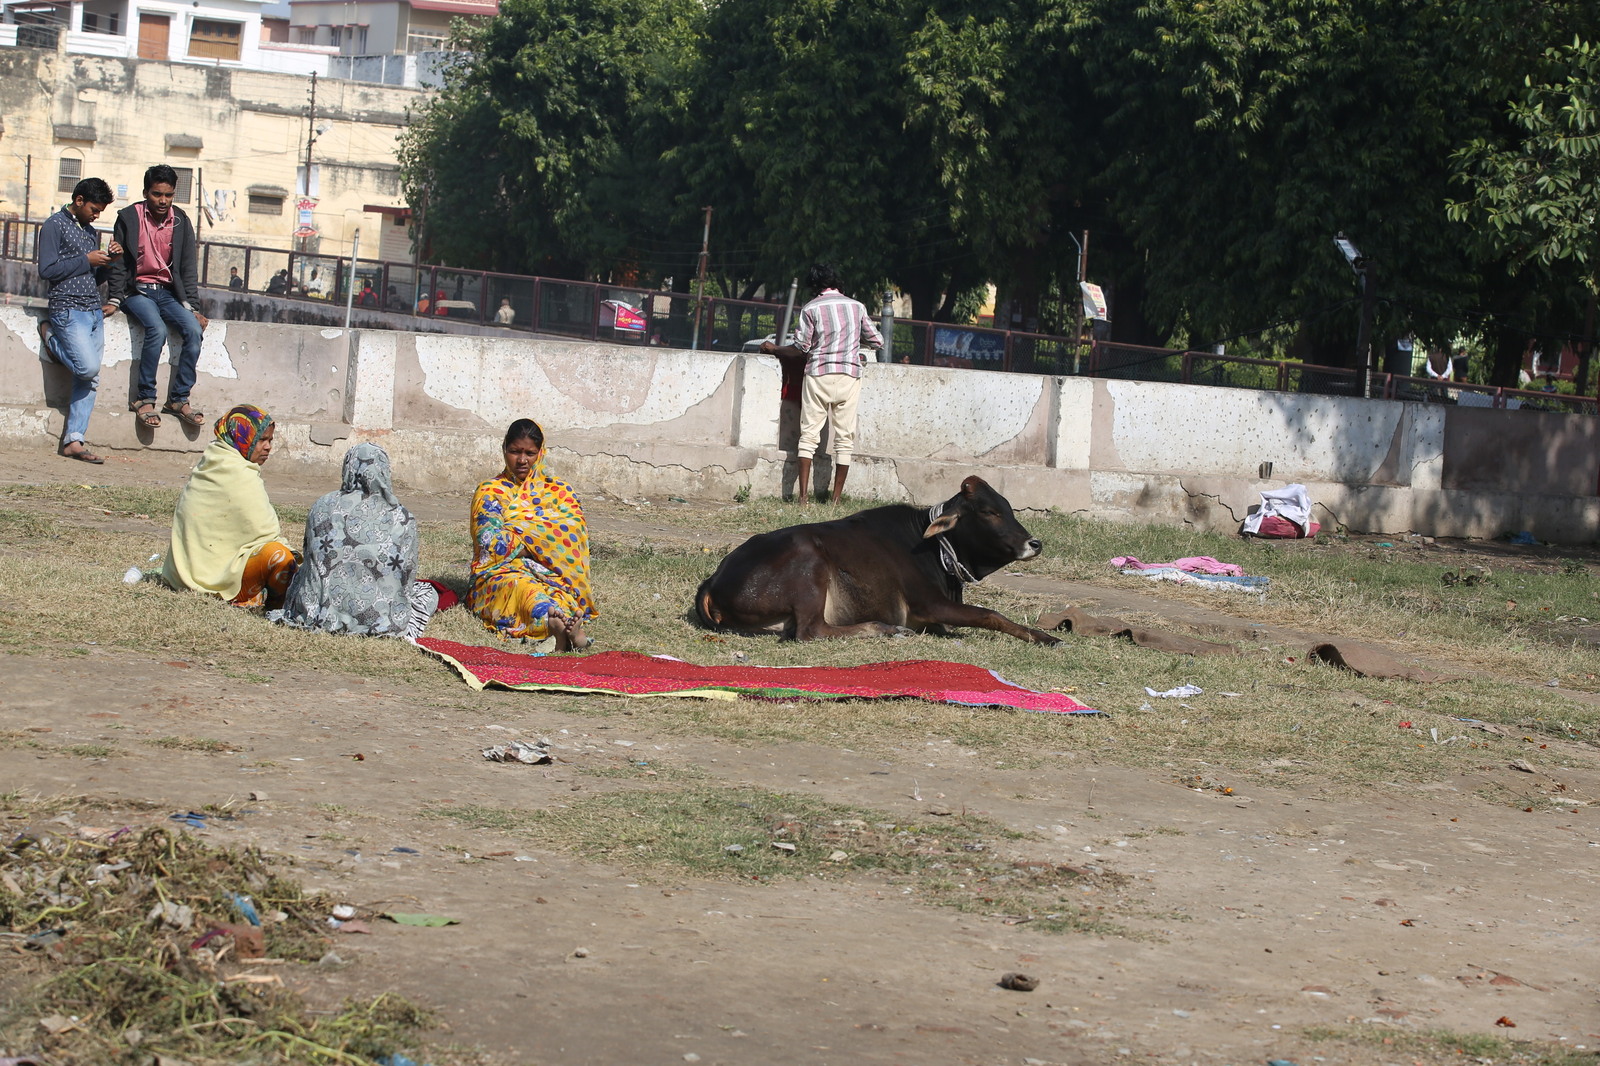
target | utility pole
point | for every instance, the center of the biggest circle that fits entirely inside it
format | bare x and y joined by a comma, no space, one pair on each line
311,139
27,190
700,296
311,133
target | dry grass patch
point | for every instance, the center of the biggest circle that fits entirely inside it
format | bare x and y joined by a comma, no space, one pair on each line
133,949
1290,720
1442,1047
204,744
753,835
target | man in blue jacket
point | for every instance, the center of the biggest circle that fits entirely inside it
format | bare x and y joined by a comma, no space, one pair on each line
70,260
156,280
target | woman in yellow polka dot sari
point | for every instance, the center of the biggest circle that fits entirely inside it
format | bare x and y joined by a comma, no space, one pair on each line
530,559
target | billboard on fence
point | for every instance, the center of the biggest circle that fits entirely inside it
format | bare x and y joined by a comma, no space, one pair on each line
953,346
1094,301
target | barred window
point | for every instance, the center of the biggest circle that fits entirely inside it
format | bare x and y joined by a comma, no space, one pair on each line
185,189
266,205
70,174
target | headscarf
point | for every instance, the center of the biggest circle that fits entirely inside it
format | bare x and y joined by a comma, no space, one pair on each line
361,550
366,473
242,427
223,516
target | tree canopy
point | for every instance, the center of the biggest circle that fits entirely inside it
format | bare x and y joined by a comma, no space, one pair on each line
1212,149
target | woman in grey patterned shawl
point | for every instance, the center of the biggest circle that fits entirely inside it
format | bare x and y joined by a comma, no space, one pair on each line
360,567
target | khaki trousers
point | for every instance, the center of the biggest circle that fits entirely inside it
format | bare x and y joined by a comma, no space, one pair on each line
831,398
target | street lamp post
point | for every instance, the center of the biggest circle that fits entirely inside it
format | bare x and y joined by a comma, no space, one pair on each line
1367,274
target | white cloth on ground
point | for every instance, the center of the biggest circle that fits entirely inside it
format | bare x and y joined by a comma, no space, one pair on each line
1291,502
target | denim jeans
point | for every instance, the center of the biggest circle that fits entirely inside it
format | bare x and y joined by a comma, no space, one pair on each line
153,306
77,341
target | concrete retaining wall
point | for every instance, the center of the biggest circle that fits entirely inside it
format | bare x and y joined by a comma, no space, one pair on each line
648,421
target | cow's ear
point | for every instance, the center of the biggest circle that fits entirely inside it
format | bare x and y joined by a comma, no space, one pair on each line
943,524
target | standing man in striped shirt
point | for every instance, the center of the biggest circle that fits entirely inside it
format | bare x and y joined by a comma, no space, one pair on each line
70,259
833,328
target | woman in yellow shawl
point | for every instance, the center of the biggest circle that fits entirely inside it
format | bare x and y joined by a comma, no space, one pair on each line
530,559
226,539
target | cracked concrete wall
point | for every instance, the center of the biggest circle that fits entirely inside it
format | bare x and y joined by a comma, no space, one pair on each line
299,370
637,421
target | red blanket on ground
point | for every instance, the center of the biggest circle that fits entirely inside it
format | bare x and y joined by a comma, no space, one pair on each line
627,673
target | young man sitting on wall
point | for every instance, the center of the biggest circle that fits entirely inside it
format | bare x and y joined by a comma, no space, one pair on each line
156,280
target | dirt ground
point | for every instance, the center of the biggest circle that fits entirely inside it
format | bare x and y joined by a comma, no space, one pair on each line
1257,917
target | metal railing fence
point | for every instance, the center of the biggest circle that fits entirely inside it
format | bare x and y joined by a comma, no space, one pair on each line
632,315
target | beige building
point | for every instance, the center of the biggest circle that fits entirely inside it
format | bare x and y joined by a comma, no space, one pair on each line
237,138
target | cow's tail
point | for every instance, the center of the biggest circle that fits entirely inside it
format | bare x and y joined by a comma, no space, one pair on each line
705,608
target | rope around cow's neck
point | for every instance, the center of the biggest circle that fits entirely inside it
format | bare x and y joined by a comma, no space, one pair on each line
947,552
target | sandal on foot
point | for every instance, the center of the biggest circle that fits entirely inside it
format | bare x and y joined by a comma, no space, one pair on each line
83,455
146,412
184,413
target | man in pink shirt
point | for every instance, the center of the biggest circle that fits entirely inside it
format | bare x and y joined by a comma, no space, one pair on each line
156,280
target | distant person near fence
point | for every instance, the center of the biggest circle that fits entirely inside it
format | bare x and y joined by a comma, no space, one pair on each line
833,328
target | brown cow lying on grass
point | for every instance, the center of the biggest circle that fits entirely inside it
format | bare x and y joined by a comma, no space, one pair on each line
876,573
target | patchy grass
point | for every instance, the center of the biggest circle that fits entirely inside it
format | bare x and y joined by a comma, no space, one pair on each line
93,751
128,987
749,834
1442,1047
203,744
1291,722
644,771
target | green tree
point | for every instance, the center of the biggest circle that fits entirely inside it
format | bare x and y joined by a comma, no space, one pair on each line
799,135
538,153
1536,198
1533,198
1015,136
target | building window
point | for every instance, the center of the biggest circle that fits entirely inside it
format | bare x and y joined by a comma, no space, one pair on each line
210,39
185,189
426,42
71,173
266,205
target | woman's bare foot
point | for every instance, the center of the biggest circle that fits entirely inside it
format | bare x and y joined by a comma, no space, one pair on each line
556,626
579,637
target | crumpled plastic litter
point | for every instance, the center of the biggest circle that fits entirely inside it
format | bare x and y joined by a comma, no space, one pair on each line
1181,692
520,751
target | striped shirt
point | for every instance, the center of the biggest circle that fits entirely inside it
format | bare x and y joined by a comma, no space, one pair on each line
832,330
64,247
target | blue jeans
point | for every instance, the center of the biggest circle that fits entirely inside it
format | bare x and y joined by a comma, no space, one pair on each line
78,342
153,306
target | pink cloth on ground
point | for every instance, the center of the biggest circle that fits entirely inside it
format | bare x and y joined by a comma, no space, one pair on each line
1283,529
1191,564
